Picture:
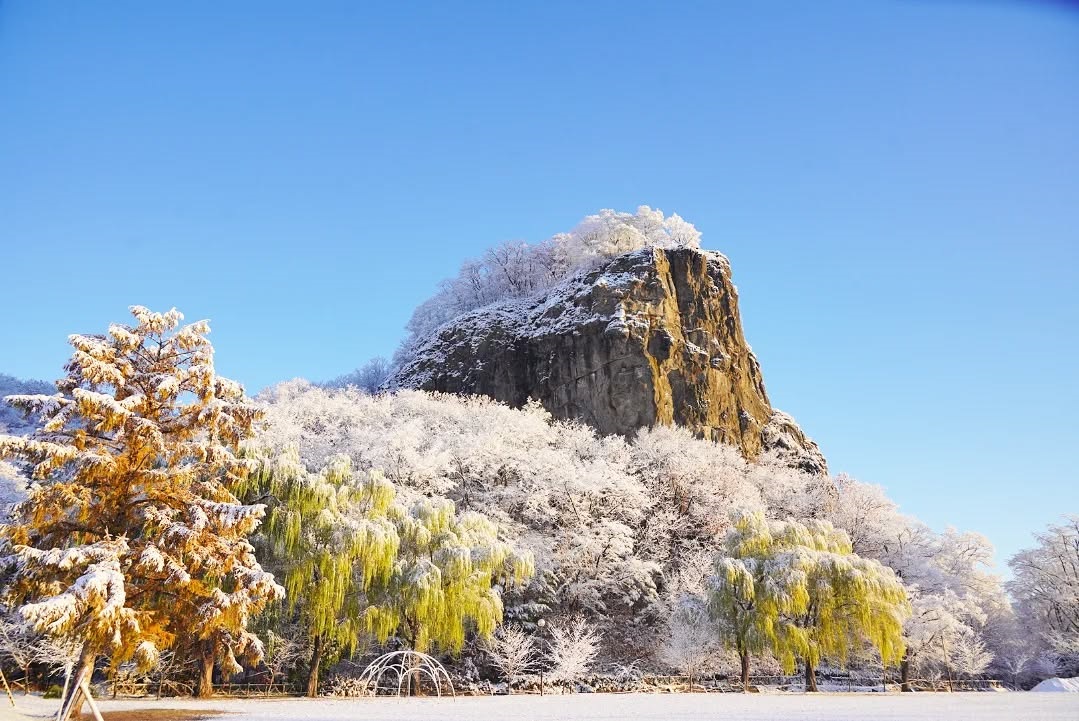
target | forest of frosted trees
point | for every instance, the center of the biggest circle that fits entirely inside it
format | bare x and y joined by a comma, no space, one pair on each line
630,544
161,525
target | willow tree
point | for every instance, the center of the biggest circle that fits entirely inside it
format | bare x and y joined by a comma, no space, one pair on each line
332,538
742,594
129,538
446,578
850,600
801,588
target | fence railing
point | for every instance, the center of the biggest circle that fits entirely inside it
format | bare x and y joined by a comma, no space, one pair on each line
718,683
173,688
645,684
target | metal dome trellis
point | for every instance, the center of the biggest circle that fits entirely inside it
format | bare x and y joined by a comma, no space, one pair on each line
401,667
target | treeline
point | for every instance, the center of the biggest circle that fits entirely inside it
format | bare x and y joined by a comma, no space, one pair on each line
175,526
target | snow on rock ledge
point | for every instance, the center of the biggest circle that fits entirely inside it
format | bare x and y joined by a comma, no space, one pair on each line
649,337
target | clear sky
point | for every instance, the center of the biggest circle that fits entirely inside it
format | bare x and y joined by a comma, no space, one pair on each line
896,184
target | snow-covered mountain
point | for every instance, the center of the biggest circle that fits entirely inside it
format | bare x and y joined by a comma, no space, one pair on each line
649,337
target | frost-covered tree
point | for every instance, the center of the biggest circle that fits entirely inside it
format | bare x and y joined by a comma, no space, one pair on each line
948,577
130,539
849,600
615,523
938,622
12,488
516,269
369,377
1045,586
59,654
870,518
693,485
512,651
331,537
746,595
573,649
12,420
800,587
357,559
557,487
18,644
285,651
691,644
969,655
445,578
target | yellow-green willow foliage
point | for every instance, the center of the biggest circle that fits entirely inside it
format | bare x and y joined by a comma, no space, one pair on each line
130,541
799,590
334,537
446,577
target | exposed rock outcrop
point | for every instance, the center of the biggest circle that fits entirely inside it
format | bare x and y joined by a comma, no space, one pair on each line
649,337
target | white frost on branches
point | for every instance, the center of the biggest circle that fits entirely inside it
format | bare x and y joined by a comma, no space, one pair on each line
610,521
512,651
517,269
574,646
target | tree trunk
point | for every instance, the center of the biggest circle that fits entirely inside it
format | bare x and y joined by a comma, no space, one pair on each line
811,677
71,702
744,656
904,674
414,686
206,674
26,680
316,662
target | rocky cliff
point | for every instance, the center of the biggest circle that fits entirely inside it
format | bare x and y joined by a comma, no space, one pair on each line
653,336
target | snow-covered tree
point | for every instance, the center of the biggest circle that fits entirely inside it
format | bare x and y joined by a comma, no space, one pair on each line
557,487
516,269
1045,586
445,578
512,651
331,537
691,644
285,651
18,644
938,622
574,646
369,377
693,485
130,539
969,656
746,594
58,654
870,518
12,488
948,577
800,587
616,524
12,420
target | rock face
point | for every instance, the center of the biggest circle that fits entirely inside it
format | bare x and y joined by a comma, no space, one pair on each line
649,337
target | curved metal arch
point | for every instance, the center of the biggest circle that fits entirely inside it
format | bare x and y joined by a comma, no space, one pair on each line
401,666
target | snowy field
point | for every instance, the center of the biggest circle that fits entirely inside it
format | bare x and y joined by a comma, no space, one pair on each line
610,707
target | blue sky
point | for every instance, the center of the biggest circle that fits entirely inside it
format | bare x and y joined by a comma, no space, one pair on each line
896,184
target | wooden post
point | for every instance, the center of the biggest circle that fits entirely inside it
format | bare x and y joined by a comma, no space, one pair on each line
7,688
90,699
71,695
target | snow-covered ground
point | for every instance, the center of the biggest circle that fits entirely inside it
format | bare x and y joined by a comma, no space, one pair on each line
611,707
1069,685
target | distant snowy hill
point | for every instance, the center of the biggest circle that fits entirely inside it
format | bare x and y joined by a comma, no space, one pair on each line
11,419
